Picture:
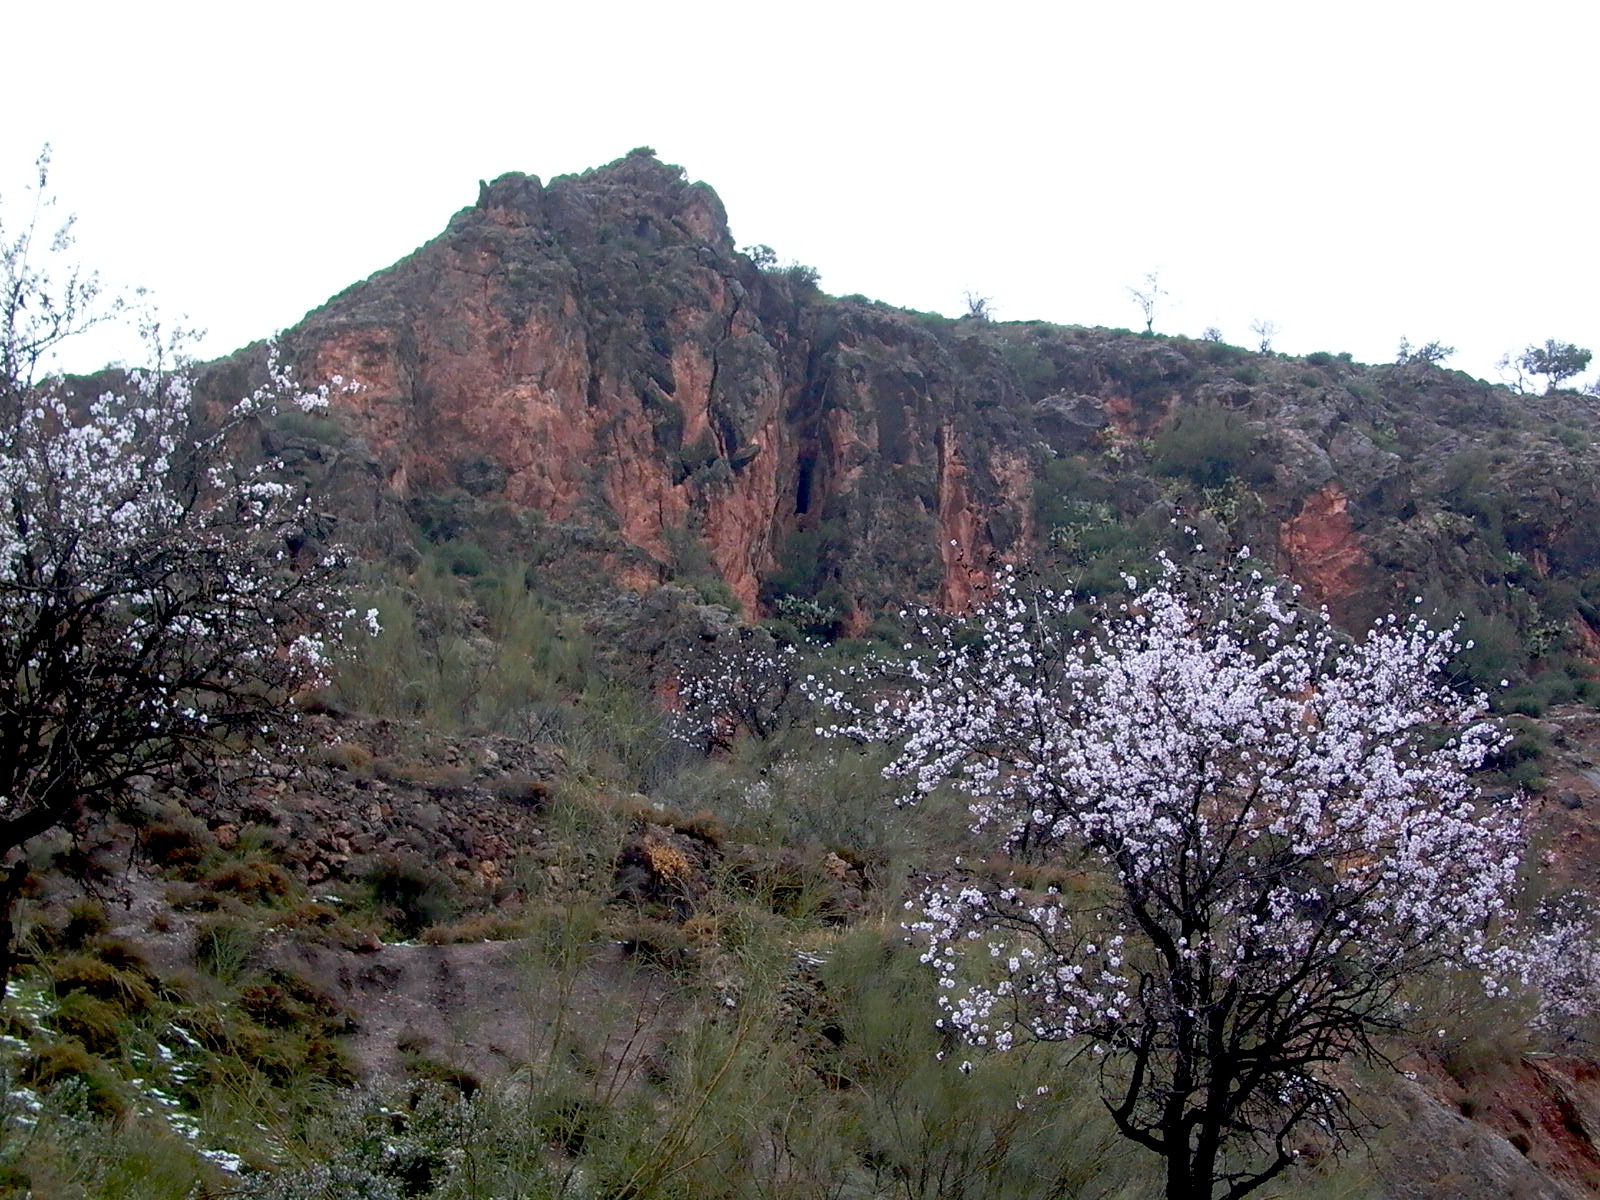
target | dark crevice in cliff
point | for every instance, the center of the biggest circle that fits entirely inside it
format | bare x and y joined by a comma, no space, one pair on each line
722,428
802,485
803,478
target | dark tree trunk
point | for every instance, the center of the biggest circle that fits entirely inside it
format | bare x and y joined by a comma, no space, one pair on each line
1183,1181
11,881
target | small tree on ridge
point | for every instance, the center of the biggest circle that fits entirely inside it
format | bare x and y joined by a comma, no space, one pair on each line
1149,298
1556,361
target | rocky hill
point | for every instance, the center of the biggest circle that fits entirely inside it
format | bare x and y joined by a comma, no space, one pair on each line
593,359
510,926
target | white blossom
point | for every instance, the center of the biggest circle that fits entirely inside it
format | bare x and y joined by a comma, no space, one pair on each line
1276,826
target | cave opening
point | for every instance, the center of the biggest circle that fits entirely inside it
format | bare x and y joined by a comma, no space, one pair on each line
802,484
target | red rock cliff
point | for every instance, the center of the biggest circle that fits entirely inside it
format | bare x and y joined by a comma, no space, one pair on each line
595,350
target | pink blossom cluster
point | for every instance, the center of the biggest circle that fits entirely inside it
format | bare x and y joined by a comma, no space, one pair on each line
1218,807
1558,961
736,687
153,590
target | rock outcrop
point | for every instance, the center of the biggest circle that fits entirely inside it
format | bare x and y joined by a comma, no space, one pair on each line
596,351
595,354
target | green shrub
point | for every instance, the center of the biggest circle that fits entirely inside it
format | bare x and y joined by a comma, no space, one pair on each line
130,991
1209,445
256,881
175,843
429,1069
299,1052
488,659
282,1000
1018,1126
86,920
800,276
1490,652
1519,761
74,1146
467,558
713,589
409,894
225,946
68,1062
93,1022
804,564
297,423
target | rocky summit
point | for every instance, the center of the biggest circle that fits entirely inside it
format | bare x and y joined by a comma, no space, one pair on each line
595,352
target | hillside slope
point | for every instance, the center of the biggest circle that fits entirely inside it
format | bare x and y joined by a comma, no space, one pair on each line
577,946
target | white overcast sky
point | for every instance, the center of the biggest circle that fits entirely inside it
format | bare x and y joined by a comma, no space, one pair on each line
1351,171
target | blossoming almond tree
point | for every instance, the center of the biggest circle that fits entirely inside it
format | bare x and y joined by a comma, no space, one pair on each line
743,685
1237,837
158,603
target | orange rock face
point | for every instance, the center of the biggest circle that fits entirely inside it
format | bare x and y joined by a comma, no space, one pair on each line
1321,550
965,578
594,351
